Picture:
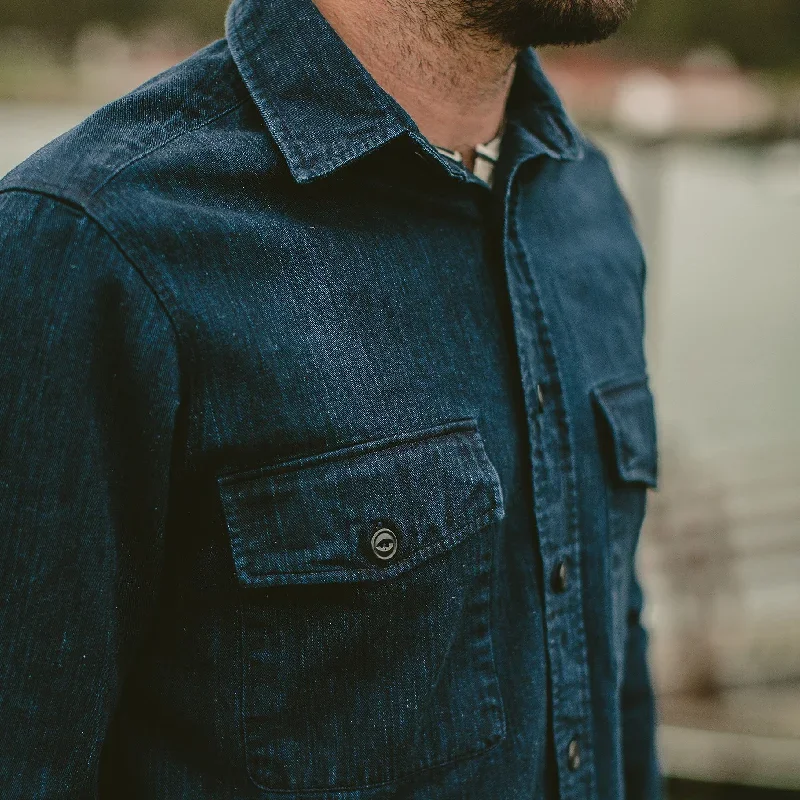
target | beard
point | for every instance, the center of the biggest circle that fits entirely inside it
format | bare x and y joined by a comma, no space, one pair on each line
524,23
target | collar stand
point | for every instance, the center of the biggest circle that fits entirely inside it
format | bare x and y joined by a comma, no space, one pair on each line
325,110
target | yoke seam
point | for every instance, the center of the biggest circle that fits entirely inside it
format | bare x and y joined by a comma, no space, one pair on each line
167,141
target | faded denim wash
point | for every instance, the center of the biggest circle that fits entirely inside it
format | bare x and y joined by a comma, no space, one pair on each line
323,463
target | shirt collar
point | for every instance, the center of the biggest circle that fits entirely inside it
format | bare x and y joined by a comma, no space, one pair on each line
535,108
324,109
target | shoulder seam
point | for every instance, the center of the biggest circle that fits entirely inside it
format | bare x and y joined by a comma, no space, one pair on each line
140,156
181,343
74,205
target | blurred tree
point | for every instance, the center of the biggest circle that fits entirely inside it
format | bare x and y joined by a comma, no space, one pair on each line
758,33
61,21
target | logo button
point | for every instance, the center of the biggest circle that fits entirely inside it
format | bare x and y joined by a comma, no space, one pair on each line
384,544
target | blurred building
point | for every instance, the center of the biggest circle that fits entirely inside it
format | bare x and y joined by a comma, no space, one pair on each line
706,94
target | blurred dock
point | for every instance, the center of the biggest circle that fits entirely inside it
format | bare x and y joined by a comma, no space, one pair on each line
748,736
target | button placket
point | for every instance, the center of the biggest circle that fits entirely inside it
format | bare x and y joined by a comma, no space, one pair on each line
555,508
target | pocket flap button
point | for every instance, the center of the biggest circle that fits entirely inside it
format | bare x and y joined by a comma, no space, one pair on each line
384,544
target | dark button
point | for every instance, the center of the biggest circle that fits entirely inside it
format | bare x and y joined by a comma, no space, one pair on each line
560,577
574,756
384,544
540,397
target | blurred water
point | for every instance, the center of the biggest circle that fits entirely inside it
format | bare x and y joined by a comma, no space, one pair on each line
721,550
24,129
725,273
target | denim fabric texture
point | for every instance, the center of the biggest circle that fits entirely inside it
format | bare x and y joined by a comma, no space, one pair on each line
323,463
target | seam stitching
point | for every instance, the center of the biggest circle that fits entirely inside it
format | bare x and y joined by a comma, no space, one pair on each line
358,449
168,140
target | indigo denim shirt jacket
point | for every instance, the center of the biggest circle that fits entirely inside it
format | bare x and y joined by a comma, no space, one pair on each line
324,463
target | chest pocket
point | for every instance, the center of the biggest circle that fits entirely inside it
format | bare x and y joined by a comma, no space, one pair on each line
365,593
628,440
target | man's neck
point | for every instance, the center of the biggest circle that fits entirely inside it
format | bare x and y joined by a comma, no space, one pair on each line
452,82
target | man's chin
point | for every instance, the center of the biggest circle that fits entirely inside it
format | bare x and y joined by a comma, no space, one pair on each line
522,23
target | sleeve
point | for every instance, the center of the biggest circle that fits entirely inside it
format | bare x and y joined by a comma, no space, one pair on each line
643,779
89,393
642,773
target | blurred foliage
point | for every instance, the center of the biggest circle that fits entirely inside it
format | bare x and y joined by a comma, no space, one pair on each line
61,20
758,33
761,34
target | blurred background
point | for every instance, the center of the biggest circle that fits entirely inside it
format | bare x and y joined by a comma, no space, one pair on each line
698,105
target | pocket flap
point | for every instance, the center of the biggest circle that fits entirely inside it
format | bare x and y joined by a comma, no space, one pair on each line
629,411
312,520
